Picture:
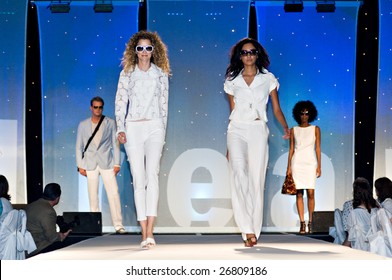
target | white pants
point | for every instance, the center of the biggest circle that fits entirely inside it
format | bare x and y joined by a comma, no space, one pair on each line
145,140
111,187
247,143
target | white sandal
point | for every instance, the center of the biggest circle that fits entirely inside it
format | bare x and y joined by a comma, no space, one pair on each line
150,241
144,245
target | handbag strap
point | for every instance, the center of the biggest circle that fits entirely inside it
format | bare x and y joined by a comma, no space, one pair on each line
92,135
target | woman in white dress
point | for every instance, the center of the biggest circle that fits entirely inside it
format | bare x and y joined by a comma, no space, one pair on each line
249,85
141,116
304,159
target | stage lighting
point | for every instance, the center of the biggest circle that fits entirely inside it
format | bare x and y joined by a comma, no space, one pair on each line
102,6
325,6
60,6
293,6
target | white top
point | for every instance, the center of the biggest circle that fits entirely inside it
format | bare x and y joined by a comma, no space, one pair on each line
98,136
142,95
387,205
251,101
358,227
347,208
6,207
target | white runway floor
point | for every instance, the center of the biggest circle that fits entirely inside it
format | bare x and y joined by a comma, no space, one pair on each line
201,257
207,247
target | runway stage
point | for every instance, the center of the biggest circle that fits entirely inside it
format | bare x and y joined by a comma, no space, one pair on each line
206,247
202,257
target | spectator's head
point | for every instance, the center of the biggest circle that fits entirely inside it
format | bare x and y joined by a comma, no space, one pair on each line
383,187
52,192
363,194
4,188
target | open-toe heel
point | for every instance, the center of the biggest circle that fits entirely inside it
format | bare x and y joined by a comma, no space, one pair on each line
144,245
248,243
302,228
253,240
310,228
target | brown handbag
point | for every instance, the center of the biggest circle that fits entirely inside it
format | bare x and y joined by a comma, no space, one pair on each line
289,186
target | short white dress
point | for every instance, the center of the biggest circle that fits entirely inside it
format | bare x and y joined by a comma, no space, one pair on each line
304,162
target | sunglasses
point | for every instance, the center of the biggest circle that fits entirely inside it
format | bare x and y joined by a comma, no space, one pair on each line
306,113
252,52
98,107
147,48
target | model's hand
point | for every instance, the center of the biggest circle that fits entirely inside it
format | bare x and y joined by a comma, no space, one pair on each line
286,133
318,172
116,170
82,171
122,138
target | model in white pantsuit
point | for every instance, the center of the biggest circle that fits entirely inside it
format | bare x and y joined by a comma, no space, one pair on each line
141,115
144,145
248,146
249,86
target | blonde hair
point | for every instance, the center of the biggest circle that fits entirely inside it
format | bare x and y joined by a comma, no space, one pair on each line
159,55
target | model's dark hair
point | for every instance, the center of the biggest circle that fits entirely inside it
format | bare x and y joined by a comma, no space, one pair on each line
383,187
98,99
236,65
4,188
302,105
363,194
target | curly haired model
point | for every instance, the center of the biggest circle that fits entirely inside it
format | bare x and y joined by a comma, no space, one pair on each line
141,114
159,55
304,160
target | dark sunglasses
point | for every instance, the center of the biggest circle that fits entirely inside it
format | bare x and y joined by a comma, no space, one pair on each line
98,107
147,48
248,52
306,113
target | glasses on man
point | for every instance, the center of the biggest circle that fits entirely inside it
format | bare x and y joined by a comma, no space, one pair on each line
147,48
305,113
98,107
252,52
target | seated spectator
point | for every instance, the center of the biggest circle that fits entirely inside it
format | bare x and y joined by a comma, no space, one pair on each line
383,188
340,229
380,235
359,220
5,204
41,220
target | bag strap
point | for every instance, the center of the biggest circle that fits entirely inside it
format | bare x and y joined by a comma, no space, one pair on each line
92,136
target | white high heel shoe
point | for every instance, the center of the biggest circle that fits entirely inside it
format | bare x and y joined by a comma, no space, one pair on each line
150,241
